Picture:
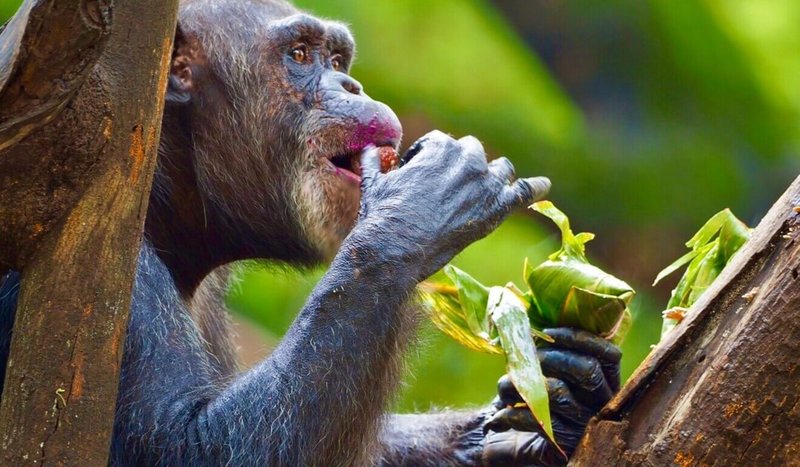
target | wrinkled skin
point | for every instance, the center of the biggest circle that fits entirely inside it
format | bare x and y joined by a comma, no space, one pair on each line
261,125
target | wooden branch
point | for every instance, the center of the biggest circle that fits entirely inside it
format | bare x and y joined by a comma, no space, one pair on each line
73,196
724,387
46,52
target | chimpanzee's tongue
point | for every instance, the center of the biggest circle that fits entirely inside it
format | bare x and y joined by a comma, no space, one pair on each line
390,160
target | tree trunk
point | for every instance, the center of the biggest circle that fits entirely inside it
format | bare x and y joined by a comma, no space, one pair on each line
724,387
81,97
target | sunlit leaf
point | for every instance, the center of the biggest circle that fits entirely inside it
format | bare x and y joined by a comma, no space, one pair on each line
677,264
442,300
472,295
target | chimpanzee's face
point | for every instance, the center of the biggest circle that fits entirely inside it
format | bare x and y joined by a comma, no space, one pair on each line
337,120
278,124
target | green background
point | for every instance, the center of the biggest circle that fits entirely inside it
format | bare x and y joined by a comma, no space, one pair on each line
649,117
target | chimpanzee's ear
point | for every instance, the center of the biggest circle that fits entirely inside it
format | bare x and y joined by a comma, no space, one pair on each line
180,86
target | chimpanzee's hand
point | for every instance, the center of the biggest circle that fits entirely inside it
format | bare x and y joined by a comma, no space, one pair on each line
443,198
583,375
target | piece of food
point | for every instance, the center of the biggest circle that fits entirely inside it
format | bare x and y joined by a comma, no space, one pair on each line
390,160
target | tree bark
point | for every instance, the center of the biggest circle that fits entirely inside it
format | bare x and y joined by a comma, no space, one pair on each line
724,387
80,113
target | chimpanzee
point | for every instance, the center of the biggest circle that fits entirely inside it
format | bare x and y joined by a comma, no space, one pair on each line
268,150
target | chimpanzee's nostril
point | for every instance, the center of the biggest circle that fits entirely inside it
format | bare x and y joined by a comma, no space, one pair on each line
340,82
351,85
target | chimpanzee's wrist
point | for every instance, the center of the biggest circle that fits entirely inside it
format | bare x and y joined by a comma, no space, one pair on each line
374,244
468,445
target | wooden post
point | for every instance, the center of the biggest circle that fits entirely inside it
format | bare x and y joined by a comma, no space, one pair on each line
724,387
81,97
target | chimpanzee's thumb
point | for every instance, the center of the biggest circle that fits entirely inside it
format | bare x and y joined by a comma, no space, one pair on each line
370,167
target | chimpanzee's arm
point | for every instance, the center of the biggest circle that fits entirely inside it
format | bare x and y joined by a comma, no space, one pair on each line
448,438
315,401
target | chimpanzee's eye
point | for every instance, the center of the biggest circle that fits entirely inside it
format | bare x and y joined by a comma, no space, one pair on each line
299,54
336,62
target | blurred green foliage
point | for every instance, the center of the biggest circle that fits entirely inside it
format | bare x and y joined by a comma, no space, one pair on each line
648,116
7,8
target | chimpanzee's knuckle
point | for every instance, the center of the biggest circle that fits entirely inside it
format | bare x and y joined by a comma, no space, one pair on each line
438,137
555,386
505,163
472,146
592,376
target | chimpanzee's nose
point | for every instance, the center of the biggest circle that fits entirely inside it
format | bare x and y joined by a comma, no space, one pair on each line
335,81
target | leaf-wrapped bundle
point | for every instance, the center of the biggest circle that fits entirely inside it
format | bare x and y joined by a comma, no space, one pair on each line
568,291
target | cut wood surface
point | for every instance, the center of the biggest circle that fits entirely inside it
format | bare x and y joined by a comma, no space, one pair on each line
81,97
723,388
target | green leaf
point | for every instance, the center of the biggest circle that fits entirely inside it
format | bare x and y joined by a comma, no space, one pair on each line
677,264
572,246
709,230
595,312
712,247
568,291
732,236
552,284
508,315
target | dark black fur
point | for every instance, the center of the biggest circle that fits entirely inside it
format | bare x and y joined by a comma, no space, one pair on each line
243,173
9,290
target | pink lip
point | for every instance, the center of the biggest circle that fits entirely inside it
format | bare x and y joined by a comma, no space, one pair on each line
350,177
378,132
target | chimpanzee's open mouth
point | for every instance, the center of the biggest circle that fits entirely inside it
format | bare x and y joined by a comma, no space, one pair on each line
349,165
350,162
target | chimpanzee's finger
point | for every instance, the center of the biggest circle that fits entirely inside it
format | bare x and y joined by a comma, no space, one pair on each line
370,167
590,344
503,169
513,418
583,374
516,449
507,392
584,342
563,404
433,143
474,154
525,191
